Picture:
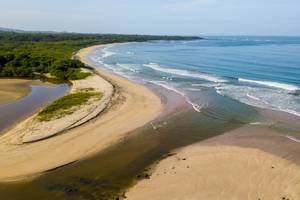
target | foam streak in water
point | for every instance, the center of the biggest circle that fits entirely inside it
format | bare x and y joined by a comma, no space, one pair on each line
186,73
107,53
128,67
262,97
292,138
196,107
271,84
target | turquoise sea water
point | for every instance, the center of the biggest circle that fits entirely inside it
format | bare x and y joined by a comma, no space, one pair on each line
257,71
220,77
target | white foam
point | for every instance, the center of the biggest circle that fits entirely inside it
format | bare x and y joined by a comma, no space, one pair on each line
292,138
107,53
194,89
96,59
129,67
195,106
209,85
220,92
253,97
167,86
271,84
262,97
130,53
109,67
291,112
261,123
186,73
167,78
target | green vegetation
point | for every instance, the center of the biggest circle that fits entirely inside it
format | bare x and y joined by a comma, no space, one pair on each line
31,55
66,105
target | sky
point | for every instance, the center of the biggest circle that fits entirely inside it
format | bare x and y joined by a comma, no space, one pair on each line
171,17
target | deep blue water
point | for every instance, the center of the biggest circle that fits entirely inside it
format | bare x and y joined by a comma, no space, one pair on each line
258,71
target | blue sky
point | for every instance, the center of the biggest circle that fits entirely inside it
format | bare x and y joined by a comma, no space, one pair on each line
190,17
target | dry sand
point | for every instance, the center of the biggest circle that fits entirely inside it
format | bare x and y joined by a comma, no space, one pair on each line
247,163
13,89
132,107
32,129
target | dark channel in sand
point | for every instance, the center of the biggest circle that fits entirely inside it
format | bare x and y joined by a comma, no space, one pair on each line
108,174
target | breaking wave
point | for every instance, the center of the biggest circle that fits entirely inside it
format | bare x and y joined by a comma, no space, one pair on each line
186,73
271,84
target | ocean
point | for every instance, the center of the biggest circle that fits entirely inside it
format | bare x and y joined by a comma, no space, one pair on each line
224,81
262,72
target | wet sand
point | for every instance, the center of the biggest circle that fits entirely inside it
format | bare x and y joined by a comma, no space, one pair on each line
13,89
107,174
132,106
251,162
110,172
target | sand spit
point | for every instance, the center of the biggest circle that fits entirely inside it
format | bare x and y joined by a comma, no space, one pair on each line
132,106
32,130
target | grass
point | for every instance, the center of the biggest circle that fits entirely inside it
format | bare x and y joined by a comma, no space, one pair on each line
66,105
80,75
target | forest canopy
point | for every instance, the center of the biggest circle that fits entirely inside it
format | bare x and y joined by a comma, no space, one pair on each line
31,55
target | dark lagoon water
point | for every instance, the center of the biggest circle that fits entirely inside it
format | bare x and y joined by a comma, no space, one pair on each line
39,96
222,81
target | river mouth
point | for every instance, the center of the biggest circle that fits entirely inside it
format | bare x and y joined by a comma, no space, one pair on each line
35,95
108,174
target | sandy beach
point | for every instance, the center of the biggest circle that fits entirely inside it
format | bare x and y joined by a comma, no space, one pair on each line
131,107
251,162
33,130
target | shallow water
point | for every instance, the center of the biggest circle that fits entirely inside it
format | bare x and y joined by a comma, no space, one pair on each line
40,95
13,89
108,174
212,109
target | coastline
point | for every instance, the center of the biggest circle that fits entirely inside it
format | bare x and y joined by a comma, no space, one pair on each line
250,162
131,107
239,152
33,130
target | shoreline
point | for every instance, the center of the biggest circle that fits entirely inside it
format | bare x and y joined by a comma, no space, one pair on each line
250,162
33,130
133,107
249,152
